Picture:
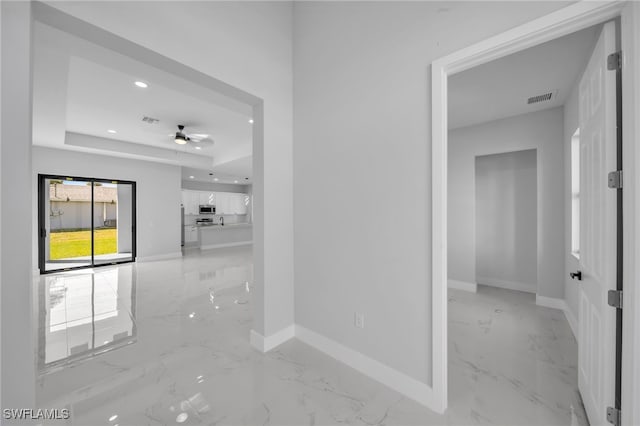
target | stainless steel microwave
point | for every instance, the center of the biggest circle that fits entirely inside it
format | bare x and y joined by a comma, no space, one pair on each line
206,209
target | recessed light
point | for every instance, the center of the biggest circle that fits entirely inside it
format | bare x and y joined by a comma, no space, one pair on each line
251,121
141,84
235,181
216,179
111,131
191,177
198,147
112,418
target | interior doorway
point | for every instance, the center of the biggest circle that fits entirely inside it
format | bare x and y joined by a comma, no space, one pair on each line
85,222
506,220
570,19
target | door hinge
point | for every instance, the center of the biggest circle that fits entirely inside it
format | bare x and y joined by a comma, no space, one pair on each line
615,179
614,298
614,61
614,416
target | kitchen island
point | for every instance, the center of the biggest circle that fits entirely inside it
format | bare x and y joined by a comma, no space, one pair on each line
233,234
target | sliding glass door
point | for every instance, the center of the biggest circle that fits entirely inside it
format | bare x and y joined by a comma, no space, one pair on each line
113,222
85,222
67,223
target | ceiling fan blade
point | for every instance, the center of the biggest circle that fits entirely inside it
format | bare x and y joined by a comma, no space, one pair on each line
198,135
202,142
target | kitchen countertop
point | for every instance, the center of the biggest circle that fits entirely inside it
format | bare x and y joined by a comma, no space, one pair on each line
219,227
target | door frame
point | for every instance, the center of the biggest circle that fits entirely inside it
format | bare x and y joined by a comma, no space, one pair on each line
41,219
557,24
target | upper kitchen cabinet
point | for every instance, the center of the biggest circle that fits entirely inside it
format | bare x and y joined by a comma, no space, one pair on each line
207,198
223,205
190,201
239,204
225,202
231,203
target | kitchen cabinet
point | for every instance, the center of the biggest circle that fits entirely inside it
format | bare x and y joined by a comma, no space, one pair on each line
190,202
207,198
231,203
190,234
239,203
225,202
223,205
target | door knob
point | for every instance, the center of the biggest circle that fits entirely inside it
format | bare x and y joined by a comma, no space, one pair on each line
576,275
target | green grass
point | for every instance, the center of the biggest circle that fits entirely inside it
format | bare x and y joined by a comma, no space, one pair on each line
69,244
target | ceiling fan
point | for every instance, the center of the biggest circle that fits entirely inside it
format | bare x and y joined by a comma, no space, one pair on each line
198,140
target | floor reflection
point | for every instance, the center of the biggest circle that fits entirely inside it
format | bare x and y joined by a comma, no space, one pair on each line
85,313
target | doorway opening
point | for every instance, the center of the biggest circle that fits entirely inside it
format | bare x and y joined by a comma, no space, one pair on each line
85,222
596,362
506,220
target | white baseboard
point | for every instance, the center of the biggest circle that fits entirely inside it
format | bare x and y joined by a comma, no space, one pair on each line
265,344
214,246
159,257
509,285
463,285
550,302
555,303
394,379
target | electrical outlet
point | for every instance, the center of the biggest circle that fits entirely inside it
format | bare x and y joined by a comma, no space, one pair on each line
359,320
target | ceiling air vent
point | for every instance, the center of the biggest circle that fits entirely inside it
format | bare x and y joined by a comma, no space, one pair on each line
150,120
540,98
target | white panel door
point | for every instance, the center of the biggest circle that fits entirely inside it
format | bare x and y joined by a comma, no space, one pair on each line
596,346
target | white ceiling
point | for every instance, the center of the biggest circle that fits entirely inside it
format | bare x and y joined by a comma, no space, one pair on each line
500,88
83,89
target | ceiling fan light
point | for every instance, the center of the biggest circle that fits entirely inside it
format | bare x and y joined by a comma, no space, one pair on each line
180,140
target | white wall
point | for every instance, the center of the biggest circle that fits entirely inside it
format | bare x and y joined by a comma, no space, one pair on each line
506,222
542,131
247,45
157,194
16,316
362,172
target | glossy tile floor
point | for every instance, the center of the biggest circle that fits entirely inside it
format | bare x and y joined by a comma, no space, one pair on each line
165,343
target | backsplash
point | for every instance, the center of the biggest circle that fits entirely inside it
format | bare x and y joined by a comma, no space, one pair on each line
190,219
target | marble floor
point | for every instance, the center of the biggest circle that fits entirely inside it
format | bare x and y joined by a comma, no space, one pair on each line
165,343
